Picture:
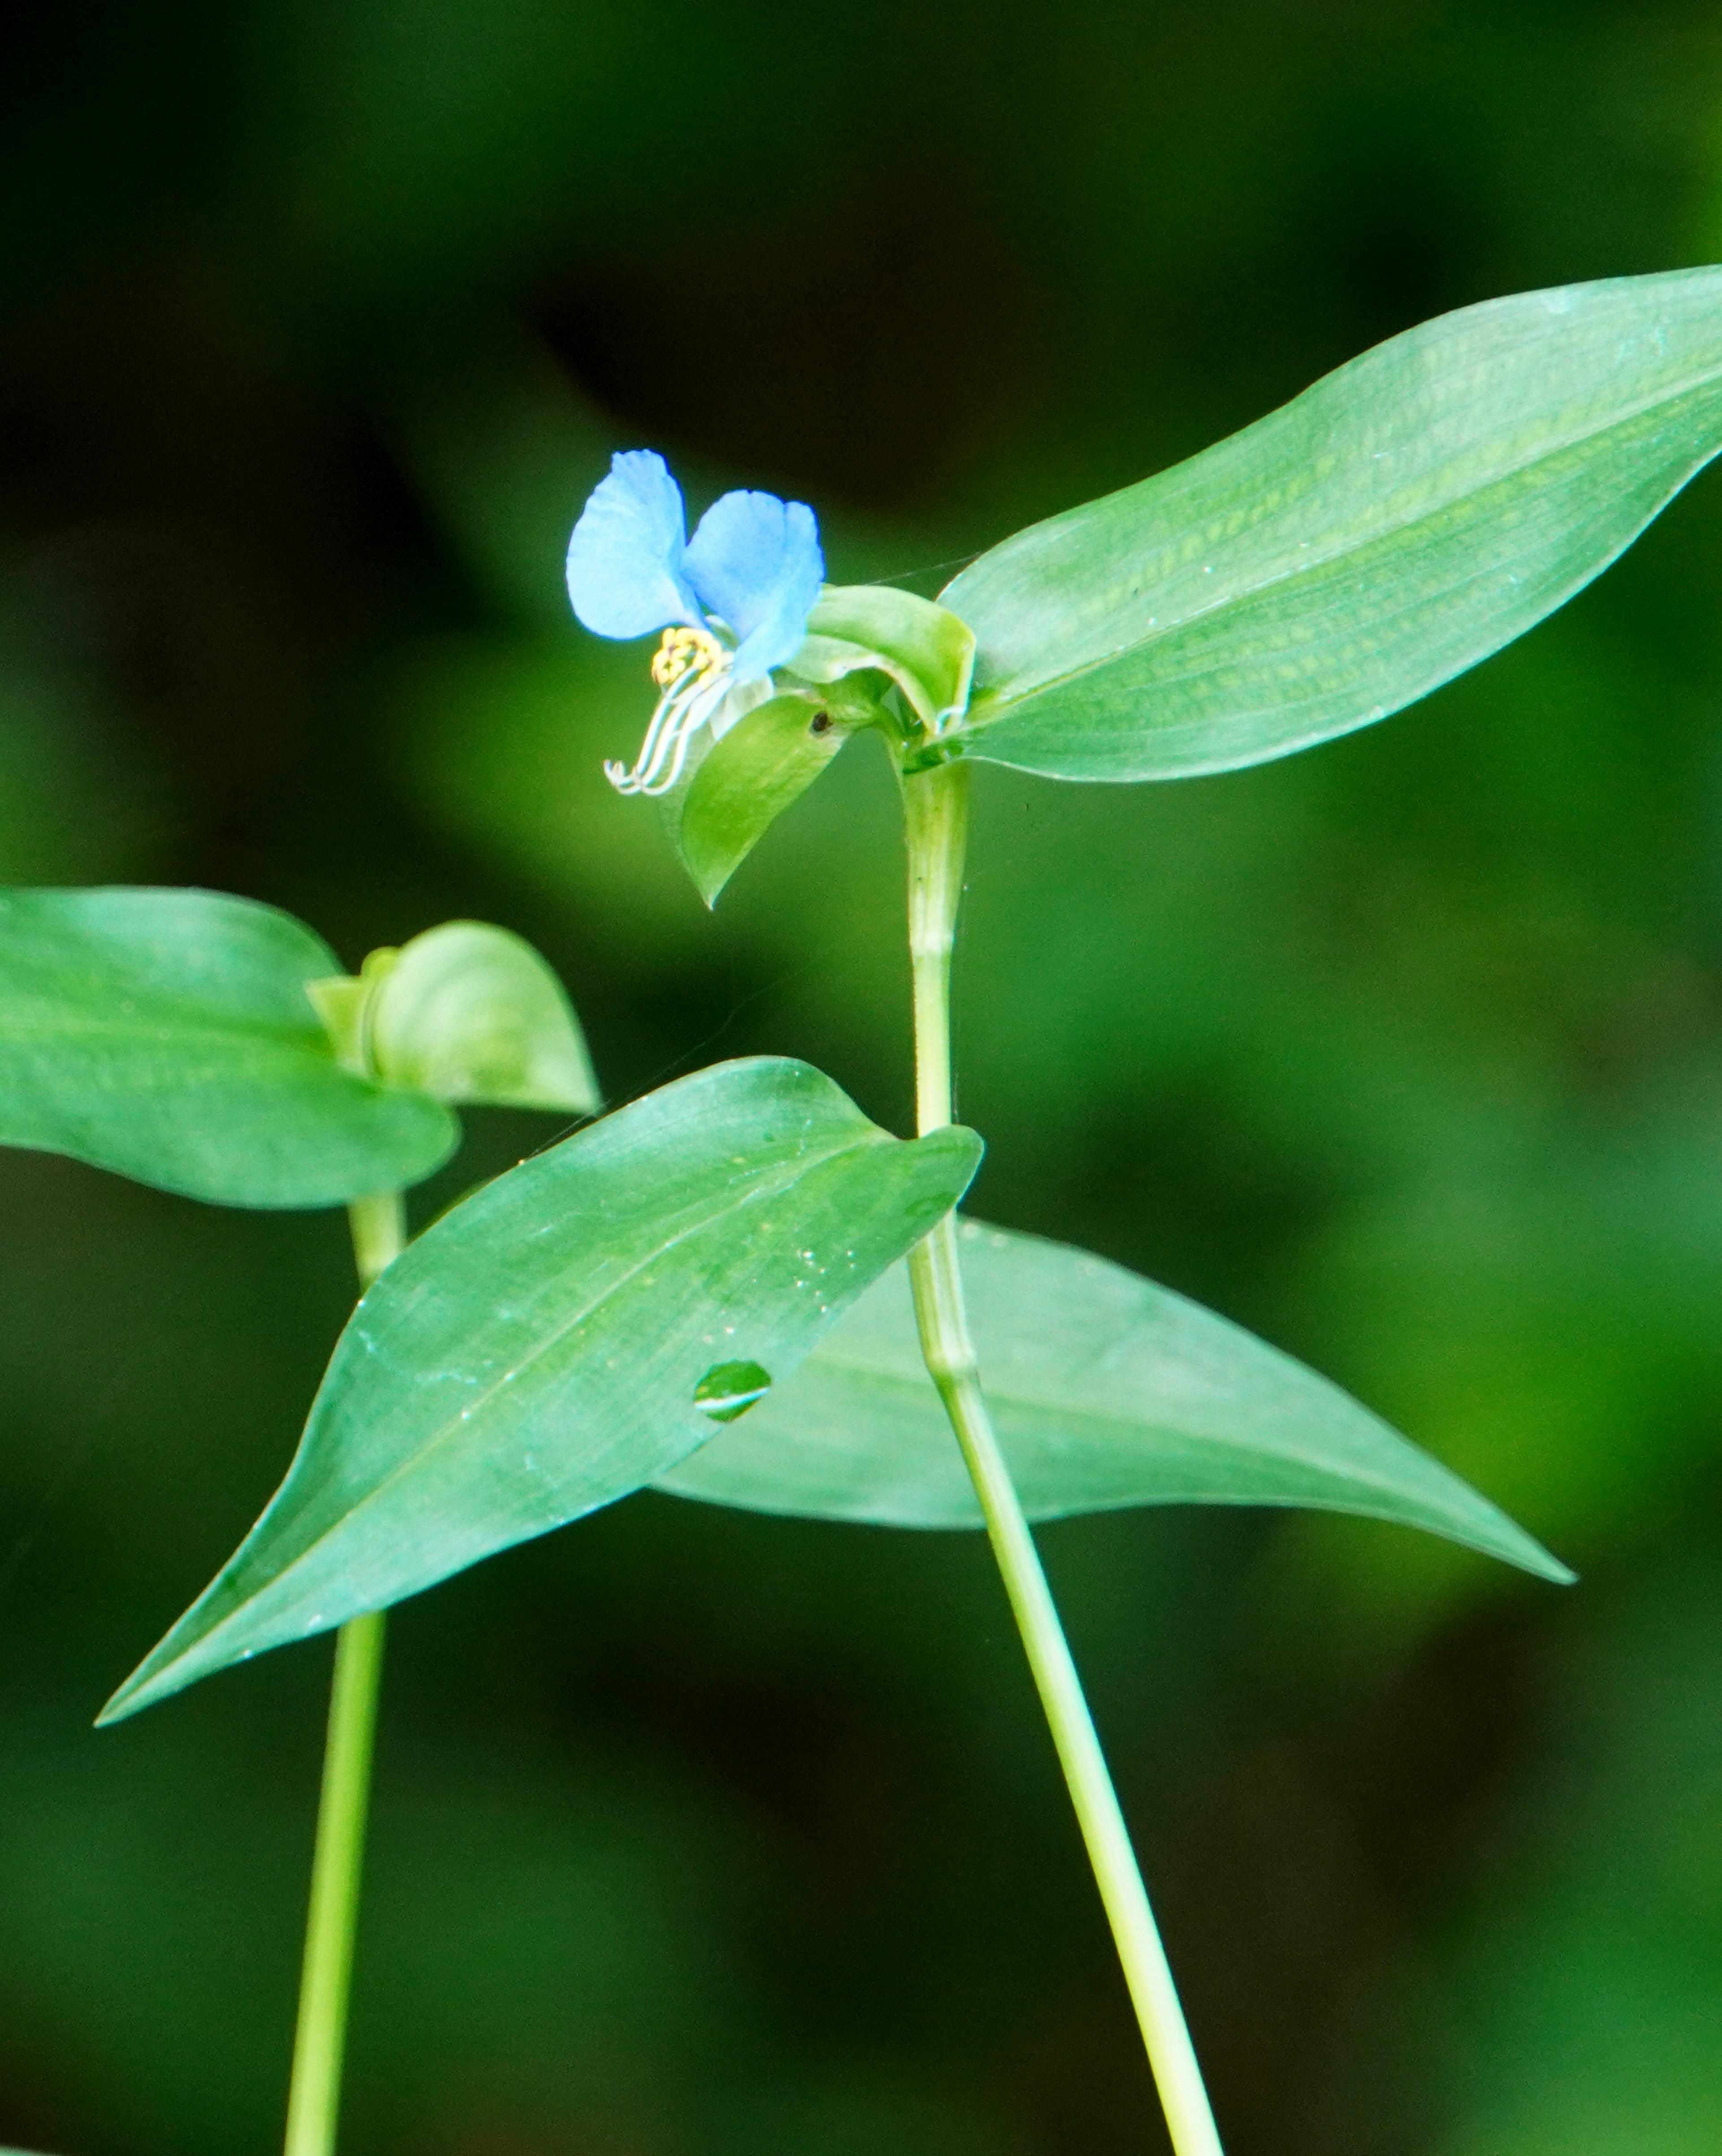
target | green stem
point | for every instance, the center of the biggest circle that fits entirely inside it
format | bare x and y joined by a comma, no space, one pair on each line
936,822
314,2098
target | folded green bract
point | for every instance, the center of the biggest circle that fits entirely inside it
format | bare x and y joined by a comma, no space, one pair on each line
468,1014
762,767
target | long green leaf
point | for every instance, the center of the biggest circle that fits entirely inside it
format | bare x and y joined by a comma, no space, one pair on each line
168,1035
1411,513
1108,1391
565,1335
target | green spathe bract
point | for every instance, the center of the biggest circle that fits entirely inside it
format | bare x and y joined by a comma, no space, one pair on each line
863,640
1414,511
471,1014
1108,1391
540,1350
169,1035
926,650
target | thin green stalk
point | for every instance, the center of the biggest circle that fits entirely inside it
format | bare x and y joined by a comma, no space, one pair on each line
936,822
314,2098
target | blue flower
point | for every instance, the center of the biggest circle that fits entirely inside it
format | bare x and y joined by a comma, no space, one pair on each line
733,602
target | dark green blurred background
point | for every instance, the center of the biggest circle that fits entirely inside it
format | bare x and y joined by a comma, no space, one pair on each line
702,1836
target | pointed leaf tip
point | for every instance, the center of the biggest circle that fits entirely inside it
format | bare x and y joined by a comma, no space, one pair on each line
1411,513
540,1350
1108,1391
761,766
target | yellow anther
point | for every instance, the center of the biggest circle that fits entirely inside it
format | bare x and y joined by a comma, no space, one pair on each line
682,651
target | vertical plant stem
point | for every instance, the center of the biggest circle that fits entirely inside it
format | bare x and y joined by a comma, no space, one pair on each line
314,2098
936,824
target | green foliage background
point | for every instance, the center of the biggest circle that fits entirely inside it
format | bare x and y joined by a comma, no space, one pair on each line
705,1835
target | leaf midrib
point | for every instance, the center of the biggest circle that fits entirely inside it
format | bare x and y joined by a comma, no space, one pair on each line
153,1030
1006,1398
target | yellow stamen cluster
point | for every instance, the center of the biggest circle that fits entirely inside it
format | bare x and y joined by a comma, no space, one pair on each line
684,651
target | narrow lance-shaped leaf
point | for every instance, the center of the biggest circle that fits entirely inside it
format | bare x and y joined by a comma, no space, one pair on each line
1411,514
564,1335
169,1035
1108,1391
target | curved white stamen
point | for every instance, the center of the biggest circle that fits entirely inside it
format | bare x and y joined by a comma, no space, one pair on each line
667,723
661,717
701,705
692,693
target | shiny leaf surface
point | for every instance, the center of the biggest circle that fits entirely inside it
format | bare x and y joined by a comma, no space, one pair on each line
1411,513
1108,1392
550,1344
168,1035
762,766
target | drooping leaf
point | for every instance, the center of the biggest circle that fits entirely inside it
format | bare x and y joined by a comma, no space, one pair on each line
168,1035
471,1014
766,761
1414,511
562,1336
1106,1391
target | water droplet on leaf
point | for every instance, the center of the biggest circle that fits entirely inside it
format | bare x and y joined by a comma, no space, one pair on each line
729,1389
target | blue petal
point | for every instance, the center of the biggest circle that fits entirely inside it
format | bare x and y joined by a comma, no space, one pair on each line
755,563
625,573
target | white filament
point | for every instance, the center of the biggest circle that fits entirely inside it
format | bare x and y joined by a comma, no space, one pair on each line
683,709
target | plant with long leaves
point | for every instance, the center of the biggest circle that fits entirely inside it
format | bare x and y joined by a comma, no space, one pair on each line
704,1292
